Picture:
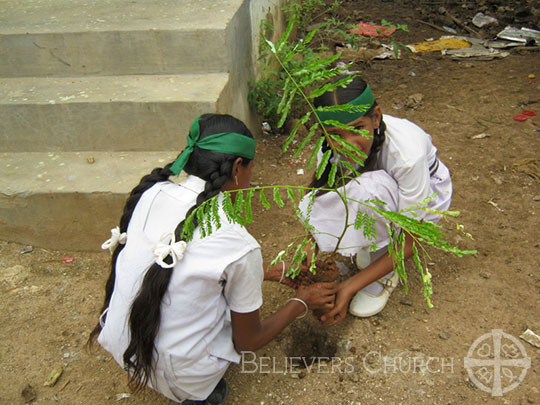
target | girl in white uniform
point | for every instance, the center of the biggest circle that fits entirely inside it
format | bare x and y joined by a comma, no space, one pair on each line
176,314
401,169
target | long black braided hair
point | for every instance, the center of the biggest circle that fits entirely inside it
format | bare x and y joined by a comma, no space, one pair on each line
343,95
145,315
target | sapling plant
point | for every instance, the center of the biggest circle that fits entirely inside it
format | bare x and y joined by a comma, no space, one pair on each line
304,82
315,22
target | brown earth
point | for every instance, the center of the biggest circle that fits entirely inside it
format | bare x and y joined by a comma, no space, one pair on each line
467,106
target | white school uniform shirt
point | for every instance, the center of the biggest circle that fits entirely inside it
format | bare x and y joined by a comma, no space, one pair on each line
407,172
408,155
328,214
218,273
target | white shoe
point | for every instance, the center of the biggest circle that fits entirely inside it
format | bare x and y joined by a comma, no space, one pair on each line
365,304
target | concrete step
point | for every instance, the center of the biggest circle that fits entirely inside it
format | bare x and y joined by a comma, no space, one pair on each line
82,79
61,201
106,113
111,37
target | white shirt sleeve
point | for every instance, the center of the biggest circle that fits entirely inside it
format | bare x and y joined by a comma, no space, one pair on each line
243,282
407,154
413,182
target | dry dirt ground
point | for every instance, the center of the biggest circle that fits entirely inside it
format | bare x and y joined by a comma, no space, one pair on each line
408,354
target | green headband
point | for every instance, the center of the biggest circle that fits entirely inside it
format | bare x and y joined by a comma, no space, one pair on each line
229,143
366,99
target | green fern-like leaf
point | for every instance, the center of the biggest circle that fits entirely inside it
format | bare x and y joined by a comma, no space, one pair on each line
283,102
239,207
188,228
396,251
277,198
323,164
263,200
228,207
367,224
290,194
300,122
247,206
315,152
304,142
215,212
310,36
201,220
331,87
350,149
425,276
332,174
287,108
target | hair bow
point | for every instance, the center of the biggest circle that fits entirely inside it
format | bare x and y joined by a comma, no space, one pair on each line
173,249
115,239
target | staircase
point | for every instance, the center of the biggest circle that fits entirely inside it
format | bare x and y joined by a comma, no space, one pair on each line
93,95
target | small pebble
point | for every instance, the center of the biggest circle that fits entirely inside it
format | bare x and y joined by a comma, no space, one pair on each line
406,301
28,394
444,335
485,275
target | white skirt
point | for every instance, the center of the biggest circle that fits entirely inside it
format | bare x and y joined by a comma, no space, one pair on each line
328,215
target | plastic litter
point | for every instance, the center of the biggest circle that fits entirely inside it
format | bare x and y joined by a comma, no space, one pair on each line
530,337
501,44
68,260
372,30
449,42
476,52
449,29
520,118
480,136
27,249
54,376
528,113
481,20
122,395
523,35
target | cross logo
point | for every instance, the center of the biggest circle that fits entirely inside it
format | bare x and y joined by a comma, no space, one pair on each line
497,362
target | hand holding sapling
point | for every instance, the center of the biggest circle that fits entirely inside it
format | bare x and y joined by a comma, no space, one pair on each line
318,295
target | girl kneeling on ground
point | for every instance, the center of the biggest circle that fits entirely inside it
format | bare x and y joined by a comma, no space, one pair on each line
401,169
176,314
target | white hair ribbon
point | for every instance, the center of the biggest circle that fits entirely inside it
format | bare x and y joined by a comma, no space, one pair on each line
174,249
116,238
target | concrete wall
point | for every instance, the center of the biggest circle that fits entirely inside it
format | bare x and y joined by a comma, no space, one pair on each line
261,10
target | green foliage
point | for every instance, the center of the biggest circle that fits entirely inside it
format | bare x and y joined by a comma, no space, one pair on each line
287,91
306,12
278,92
394,44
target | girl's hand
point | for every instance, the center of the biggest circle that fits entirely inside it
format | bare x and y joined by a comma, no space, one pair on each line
277,274
339,312
318,295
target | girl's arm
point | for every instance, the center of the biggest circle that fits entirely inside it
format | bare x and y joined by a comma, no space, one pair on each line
250,333
351,286
277,273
